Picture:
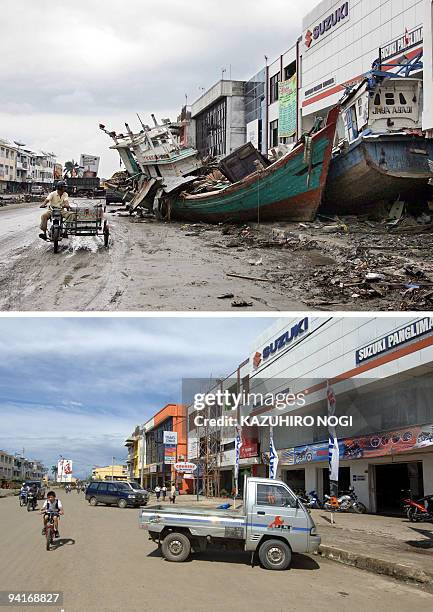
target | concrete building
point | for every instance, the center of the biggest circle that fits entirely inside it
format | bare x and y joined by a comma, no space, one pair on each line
28,469
150,459
6,466
255,110
219,118
110,472
341,40
7,165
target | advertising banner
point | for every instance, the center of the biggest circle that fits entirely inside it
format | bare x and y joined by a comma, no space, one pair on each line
64,470
287,96
375,445
89,164
170,453
249,443
390,443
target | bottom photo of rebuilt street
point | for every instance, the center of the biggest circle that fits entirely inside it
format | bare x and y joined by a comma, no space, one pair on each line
193,463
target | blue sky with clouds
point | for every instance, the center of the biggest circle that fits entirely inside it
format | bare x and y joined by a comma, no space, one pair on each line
78,386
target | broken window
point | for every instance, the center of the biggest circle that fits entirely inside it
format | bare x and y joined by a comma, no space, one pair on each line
402,99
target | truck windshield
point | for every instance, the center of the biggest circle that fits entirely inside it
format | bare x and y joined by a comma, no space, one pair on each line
275,495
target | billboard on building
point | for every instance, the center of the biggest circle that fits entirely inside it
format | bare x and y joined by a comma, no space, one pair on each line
192,448
89,164
170,453
288,103
365,447
64,470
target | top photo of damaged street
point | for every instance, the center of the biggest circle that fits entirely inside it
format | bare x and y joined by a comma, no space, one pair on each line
216,156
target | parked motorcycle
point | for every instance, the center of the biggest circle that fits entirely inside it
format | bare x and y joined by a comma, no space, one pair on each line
313,501
347,502
420,510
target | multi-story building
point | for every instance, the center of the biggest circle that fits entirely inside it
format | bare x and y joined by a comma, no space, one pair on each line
6,466
381,373
341,40
28,469
7,165
151,458
110,472
25,168
219,118
43,172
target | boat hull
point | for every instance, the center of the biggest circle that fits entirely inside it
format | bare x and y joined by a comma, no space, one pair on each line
289,190
377,171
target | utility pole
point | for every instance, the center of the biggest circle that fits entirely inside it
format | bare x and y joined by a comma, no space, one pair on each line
112,468
142,458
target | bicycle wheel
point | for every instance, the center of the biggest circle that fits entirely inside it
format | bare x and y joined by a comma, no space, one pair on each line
49,537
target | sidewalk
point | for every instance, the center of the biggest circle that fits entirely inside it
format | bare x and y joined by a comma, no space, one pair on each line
384,545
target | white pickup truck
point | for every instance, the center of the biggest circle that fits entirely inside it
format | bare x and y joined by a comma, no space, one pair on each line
271,521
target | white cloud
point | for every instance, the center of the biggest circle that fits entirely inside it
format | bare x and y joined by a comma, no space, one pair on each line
78,65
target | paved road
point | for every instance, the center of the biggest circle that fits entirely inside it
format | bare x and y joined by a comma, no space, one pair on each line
149,266
105,563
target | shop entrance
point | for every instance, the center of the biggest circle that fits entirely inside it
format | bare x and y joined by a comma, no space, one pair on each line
343,480
295,479
393,481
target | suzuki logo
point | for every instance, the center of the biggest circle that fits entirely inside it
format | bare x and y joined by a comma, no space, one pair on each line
257,360
308,39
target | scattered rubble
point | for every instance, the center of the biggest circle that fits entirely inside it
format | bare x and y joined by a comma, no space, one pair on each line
348,262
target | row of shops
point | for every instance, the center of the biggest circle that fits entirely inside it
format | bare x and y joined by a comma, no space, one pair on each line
381,372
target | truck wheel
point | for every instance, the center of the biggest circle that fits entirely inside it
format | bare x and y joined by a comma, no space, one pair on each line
176,547
275,555
122,503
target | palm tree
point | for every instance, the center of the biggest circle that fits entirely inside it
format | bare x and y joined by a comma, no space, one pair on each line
71,168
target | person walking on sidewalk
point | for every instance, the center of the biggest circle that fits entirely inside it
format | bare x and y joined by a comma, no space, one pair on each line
157,492
173,494
164,492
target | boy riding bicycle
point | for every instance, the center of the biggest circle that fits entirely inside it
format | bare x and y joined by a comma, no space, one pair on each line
51,504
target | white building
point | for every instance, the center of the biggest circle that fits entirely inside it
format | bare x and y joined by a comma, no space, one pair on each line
381,371
342,39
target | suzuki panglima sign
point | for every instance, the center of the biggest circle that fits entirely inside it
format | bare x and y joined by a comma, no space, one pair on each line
320,30
395,339
283,341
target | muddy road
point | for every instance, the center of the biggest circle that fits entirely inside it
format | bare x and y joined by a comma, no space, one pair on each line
148,266
152,266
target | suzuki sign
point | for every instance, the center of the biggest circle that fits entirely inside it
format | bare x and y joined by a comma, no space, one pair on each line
327,25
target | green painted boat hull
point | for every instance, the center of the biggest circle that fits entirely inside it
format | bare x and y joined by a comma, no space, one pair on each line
288,190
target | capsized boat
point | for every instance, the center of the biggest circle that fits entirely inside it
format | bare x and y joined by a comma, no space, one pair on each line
290,189
381,153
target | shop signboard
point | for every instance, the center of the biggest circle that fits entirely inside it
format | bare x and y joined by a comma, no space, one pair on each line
390,443
89,164
288,104
395,339
170,437
250,443
185,466
365,447
170,453
403,43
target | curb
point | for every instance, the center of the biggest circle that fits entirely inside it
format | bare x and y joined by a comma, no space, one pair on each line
400,571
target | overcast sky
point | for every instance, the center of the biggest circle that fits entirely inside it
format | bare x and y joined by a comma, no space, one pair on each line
78,387
69,66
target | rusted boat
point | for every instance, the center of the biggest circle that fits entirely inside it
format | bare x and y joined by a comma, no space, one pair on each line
290,189
382,154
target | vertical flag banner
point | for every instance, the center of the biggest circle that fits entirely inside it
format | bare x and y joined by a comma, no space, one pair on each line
273,457
334,452
238,444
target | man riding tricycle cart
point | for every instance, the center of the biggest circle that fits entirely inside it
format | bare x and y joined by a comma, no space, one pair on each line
82,220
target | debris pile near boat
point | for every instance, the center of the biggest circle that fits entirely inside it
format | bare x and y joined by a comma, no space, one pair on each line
347,262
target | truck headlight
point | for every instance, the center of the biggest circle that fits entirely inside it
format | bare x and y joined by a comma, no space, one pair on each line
131,496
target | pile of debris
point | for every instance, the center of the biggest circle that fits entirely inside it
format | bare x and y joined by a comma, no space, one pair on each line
213,181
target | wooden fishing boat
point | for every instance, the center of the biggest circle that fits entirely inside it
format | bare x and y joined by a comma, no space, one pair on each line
381,152
290,189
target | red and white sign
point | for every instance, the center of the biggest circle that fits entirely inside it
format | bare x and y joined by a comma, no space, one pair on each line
185,466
